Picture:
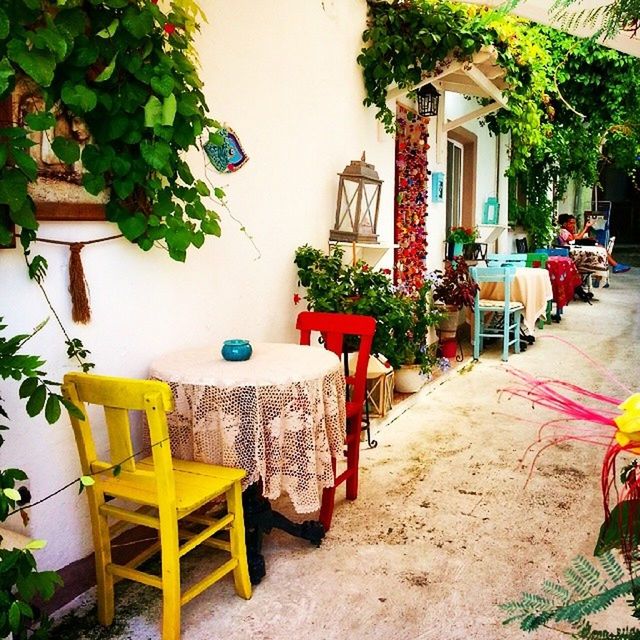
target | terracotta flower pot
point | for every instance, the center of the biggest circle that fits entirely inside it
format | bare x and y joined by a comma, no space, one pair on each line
449,324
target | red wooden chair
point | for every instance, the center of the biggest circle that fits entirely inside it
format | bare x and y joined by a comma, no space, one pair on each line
335,328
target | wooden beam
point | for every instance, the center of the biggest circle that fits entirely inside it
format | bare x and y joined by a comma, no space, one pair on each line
469,88
473,115
393,94
482,81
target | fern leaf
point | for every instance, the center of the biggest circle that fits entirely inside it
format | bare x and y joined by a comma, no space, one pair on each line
587,571
575,611
557,590
577,582
613,568
588,633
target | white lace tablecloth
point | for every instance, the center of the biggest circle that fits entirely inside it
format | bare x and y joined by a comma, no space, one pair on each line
279,415
530,286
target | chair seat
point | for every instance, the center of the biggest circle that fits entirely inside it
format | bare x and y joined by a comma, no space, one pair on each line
196,484
497,305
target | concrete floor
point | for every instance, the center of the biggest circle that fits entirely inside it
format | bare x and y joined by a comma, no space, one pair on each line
444,529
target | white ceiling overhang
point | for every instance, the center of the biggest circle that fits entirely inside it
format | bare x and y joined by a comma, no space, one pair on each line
541,11
481,76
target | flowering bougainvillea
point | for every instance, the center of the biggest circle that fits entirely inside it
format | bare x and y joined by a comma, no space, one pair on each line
411,199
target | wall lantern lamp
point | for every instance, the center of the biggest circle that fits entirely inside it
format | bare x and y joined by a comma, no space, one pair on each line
358,203
427,98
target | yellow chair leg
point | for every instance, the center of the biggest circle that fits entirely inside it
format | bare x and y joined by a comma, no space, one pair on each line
170,580
104,578
237,542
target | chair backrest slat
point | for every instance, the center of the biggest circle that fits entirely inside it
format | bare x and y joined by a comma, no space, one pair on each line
554,251
495,274
335,328
119,396
505,259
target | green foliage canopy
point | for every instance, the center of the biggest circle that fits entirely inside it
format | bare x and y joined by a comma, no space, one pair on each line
127,71
572,103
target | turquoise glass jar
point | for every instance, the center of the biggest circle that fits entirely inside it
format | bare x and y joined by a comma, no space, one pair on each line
236,350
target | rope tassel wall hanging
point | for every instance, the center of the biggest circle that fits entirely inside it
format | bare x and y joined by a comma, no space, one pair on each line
78,285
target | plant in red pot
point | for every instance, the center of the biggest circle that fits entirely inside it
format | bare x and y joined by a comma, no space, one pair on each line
454,290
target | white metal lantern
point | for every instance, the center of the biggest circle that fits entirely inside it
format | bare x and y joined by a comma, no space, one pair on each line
358,203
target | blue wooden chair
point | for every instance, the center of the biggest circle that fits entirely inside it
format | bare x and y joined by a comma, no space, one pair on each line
506,259
511,311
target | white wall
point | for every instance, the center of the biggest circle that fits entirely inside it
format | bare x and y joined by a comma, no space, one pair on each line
283,74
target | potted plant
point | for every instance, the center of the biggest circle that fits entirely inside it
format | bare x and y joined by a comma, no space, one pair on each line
404,318
411,351
454,290
457,238
331,285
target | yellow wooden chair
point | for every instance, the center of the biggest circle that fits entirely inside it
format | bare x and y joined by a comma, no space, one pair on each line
166,494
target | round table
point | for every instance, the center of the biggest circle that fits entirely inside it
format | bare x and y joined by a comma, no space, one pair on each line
279,415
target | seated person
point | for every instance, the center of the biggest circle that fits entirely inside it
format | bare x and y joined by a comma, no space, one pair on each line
568,233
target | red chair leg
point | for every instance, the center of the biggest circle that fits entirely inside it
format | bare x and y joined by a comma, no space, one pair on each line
353,460
328,500
326,510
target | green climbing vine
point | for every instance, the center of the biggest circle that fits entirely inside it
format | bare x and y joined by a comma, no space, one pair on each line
119,78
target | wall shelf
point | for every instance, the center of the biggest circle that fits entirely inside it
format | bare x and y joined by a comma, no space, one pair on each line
369,252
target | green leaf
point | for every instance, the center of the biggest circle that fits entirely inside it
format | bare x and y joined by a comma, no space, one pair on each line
133,227
96,159
169,107
123,187
25,216
72,22
66,149
79,97
622,525
48,38
52,409
107,72
4,25
110,31
163,85
14,616
40,120
27,387
13,189
121,166
152,112
34,545
117,470
7,72
87,481
211,226
12,494
93,183
35,404
139,23
188,105
202,188
26,163
39,65
156,154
